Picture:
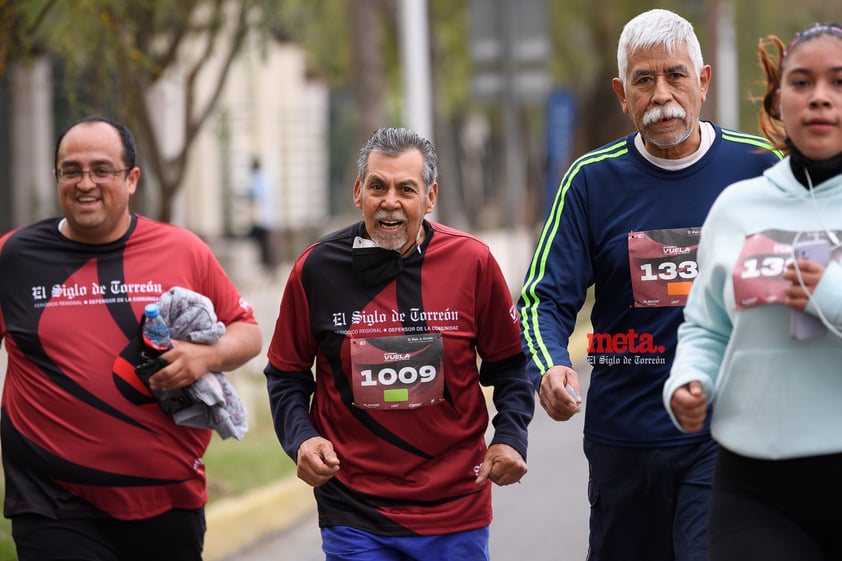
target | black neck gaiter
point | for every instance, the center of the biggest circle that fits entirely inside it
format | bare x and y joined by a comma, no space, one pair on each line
376,265
819,170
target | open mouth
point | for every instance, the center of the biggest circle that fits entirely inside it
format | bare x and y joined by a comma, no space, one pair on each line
87,201
390,224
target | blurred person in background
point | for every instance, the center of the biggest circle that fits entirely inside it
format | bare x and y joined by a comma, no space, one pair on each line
264,219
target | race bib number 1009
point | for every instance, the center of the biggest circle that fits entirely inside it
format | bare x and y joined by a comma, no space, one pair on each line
397,372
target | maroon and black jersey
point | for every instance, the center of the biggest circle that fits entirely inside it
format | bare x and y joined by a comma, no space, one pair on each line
81,435
397,383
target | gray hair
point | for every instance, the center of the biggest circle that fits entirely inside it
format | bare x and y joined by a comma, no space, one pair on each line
657,27
395,141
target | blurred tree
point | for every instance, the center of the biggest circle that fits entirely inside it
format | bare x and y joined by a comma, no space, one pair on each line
368,81
585,51
112,53
585,61
18,23
148,39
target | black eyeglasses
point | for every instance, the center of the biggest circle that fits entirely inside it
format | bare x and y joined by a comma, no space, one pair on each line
99,174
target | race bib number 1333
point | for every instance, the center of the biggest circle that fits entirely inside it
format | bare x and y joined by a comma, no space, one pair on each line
663,266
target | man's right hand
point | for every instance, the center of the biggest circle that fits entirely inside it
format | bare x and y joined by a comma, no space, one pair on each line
554,397
690,406
317,461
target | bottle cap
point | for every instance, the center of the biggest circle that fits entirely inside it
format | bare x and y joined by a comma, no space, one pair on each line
151,310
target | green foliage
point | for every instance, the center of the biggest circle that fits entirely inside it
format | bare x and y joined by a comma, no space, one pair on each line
7,546
236,466
18,23
449,38
321,28
111,53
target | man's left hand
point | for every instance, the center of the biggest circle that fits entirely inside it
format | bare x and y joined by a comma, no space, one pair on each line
502,464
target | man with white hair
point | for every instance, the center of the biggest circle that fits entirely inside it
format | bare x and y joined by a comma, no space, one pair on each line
626,219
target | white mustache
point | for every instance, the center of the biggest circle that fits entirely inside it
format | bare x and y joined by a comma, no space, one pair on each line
389,217
660,113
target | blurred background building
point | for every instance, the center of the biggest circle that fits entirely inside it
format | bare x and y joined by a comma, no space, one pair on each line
509,90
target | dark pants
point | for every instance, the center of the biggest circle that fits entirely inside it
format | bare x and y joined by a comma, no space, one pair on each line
649,504
776,510
177,535
267,244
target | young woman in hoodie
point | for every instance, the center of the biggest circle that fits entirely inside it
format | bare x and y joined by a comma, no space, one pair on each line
760,347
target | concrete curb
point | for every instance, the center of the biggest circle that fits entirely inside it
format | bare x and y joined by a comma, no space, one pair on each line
236,522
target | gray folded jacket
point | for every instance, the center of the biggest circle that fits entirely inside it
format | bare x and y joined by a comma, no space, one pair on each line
191,317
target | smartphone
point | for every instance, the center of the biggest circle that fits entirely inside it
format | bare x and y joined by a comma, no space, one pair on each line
802,325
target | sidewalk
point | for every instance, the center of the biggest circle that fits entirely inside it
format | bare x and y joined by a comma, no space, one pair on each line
233,523
237,522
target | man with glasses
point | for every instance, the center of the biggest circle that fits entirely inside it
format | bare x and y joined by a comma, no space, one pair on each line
94,469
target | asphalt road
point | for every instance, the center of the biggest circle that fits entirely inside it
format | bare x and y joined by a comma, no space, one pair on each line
545,518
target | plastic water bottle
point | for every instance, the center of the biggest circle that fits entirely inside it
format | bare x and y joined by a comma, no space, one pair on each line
156,333
156,341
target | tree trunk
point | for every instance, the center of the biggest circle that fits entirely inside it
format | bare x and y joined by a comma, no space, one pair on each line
367,79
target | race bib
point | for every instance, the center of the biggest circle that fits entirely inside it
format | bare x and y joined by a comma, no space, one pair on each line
663,266
397,372
758,273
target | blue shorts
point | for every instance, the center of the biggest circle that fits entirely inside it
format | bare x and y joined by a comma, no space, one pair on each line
342,543
649,503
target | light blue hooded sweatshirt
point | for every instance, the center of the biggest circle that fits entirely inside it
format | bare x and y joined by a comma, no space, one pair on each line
772,396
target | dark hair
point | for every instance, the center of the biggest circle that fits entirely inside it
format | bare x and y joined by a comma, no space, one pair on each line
772,63
395,141
811,32
126,138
